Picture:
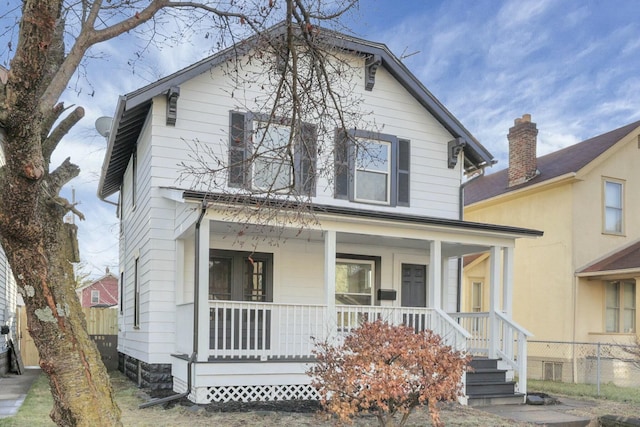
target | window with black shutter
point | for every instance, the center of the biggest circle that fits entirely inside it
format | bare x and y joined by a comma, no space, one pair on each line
372,167
260,158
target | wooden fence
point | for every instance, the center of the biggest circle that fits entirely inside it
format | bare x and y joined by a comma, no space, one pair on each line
101,323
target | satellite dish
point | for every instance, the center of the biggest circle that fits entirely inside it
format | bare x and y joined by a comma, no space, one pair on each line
103,125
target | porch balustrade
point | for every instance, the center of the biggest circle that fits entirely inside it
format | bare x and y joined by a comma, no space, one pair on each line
280,331
497,337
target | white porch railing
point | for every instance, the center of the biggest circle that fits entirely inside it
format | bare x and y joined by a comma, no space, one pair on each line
497,337
270,330
351,316
263,330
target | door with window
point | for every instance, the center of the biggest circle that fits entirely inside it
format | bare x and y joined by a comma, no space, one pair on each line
240,276
414,294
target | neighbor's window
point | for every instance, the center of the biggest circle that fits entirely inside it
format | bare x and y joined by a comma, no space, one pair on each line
620,311
354,282
371,167
613,206
95,297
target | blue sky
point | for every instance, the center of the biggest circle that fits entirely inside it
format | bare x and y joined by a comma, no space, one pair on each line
573,65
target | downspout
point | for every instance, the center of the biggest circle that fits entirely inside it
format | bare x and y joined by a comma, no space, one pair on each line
196,285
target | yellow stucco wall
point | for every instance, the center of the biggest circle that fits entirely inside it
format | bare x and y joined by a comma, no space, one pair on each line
548,299
542,271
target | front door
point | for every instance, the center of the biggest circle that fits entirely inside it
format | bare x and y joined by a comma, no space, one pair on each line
414,293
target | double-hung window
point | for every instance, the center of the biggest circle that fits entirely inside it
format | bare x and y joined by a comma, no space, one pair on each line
372,168
620,310
271,154
613,196
95,297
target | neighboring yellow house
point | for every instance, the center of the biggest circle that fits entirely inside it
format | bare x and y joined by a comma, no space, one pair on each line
577,283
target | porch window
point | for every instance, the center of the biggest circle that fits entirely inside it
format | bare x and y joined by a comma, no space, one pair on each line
264,156
354,282
372,167
613,221
240,276
620,311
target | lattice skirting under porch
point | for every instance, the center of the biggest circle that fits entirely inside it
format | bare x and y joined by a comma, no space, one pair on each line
262,393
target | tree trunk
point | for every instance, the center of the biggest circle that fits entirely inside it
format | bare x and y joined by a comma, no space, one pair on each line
41,260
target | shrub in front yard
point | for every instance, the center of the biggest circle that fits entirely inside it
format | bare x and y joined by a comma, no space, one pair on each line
385,369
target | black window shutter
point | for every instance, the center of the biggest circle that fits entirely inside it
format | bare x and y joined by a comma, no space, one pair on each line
341,156
237,151
307,150
404,160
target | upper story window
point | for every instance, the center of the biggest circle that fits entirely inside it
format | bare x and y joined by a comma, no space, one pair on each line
613,218
620,311
134,177
372,168
265,156
95,297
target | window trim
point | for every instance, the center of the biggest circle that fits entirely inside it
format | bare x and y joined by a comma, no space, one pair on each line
377,274
136,293
621,183
345,167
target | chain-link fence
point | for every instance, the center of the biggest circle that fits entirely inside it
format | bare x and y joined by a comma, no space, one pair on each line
586,363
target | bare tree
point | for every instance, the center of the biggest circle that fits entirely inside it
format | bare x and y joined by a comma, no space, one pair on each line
54,37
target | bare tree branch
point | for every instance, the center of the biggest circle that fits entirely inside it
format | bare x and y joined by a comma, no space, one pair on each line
50,144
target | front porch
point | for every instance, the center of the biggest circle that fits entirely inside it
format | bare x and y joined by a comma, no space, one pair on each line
249,320
261,351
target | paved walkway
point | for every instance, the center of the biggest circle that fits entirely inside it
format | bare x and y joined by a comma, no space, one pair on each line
13,390
547,415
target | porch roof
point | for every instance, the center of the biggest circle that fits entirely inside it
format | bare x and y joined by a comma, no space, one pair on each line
625,260
360,213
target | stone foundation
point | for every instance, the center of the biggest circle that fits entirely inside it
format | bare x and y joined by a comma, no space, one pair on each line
154,376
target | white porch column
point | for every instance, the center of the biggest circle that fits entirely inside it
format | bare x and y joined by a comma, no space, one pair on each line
435,274
203,293
507,281
494,299
330,277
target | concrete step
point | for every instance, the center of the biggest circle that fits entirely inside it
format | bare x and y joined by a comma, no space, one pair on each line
496,399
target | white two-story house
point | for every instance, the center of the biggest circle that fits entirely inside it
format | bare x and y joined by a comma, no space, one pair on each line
222,301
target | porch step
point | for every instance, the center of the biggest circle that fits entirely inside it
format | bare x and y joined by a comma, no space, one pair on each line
496,399
487,385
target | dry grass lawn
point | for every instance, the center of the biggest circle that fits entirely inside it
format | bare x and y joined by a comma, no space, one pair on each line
35,411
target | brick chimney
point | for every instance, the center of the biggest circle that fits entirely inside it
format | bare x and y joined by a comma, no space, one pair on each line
522,151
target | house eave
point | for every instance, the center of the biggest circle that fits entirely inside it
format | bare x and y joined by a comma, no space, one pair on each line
525,190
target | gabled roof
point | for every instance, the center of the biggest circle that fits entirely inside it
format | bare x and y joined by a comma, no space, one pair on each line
553,165
627,258
133,107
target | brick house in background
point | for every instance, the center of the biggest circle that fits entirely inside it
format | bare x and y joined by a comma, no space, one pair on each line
100,293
